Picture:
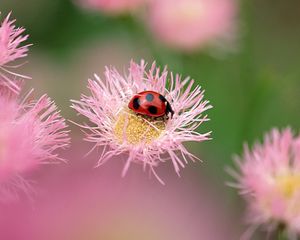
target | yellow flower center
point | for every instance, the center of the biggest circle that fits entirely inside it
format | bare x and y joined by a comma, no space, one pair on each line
288,184
136,129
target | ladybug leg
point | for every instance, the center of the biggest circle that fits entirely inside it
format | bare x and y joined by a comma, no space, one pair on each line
172,113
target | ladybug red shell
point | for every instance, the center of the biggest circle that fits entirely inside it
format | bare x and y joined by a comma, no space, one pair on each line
150,103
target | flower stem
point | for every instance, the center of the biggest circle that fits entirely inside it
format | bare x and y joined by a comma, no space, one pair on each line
281,233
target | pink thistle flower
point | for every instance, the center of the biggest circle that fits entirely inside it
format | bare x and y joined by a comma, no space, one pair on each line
192,24
270,182
146,140
30,133
114,7
11,39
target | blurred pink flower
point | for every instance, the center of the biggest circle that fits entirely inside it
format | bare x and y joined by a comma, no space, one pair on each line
80,205
192,24
113,7
146,140
11,39
270,182
30,133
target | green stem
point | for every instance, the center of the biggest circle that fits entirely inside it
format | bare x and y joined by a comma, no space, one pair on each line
281,236
281,233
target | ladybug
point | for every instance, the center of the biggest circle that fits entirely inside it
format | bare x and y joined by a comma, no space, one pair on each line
151,104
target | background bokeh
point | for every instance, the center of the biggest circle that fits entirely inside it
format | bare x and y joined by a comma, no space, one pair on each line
254,87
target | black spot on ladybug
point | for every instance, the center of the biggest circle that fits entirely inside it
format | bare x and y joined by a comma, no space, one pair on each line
149,97
136,103
152,109
162,98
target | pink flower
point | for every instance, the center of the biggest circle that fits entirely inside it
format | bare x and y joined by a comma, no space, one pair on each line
114,7
270,182
145,140
11,39
192,24
30,133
